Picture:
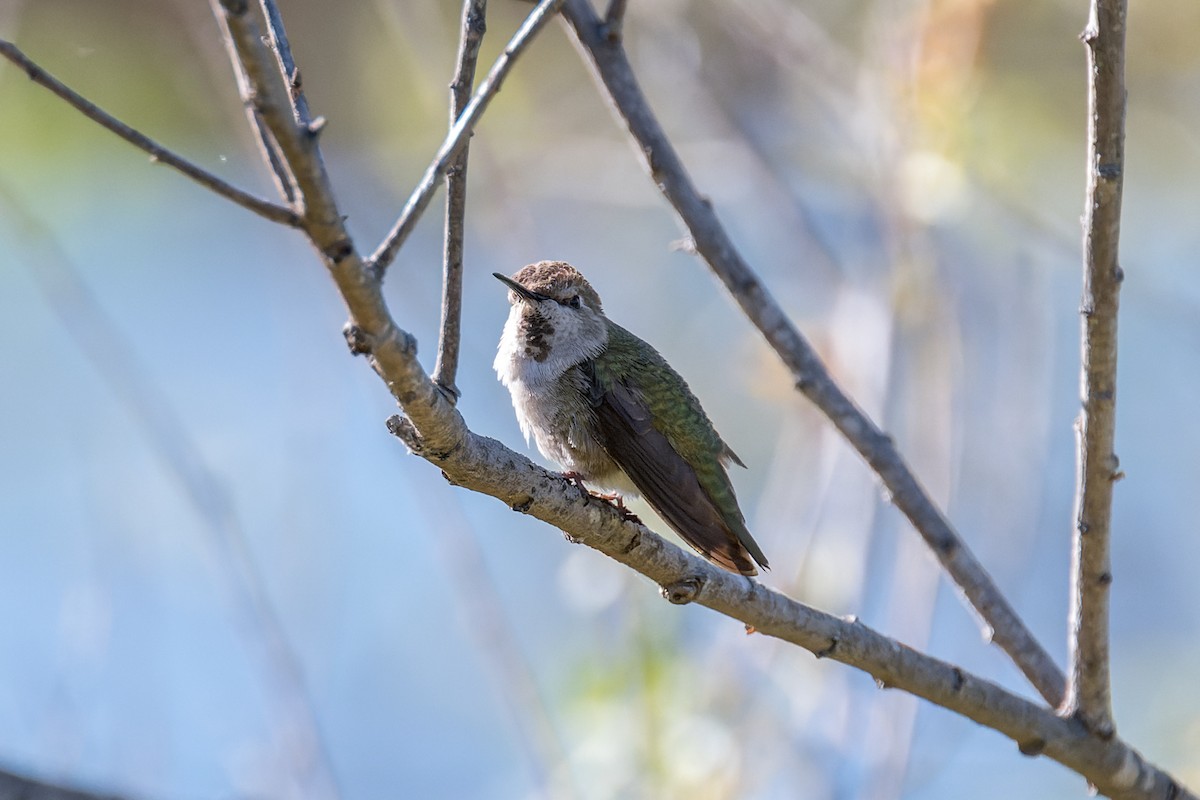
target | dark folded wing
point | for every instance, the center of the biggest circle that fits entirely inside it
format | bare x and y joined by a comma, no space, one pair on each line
666,480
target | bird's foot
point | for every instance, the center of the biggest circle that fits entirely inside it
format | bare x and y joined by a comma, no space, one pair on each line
577,479
614,499
618,502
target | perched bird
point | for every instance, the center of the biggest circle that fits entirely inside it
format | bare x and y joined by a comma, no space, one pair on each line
611,411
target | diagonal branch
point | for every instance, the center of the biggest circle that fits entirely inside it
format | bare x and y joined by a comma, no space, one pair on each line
435,431
1097,467
459,133
158,153
1002,624
474,25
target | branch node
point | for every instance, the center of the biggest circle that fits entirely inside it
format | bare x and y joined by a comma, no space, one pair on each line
356,339
614,20
685,591
339,251
523,506
315,126
685,245
1108,172
960,680
946,546
633,543
827,651
451,392
402,428
235,8
1032,747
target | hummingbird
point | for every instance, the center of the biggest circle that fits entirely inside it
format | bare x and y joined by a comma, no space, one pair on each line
611,411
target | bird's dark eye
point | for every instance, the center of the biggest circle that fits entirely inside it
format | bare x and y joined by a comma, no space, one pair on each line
573,301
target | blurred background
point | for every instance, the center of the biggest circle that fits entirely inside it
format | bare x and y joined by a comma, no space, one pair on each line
220,577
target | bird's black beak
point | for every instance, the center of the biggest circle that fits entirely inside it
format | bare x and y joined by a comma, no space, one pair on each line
522,292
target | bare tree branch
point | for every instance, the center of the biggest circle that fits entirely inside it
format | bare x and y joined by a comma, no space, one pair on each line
474,24
285,181
1001,621
287,64
457,138
1097,468
264,91
157,152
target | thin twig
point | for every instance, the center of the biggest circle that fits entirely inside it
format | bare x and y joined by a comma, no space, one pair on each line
262,88
1097,468
287,64
457,138
268,147
158,153
711,241
474,25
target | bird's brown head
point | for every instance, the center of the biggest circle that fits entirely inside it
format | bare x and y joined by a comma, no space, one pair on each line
552,280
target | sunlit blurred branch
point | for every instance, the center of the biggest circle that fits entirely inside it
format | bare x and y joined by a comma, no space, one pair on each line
476,594
167,433
474,25
157,152
1089,696
459,133
711,241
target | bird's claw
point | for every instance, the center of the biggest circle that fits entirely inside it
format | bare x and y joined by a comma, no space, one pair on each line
618,503
614,499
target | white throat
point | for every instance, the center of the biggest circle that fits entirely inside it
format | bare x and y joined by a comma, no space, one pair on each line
566,338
